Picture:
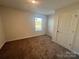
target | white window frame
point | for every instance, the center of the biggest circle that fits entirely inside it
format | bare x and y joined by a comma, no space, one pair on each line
41,21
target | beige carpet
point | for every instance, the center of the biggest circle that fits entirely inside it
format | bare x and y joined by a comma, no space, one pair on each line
40,47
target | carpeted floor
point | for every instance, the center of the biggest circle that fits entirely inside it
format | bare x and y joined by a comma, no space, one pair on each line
40,47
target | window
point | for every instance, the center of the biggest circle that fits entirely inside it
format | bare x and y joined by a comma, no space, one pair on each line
38,24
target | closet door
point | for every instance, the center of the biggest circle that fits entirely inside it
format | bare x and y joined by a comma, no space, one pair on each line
76,39
66,29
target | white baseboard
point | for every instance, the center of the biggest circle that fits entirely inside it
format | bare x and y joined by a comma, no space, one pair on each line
23,37
2,44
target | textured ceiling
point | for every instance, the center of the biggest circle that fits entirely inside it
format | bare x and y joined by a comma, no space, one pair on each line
44,7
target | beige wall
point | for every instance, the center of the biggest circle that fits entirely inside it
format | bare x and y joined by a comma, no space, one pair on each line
19,24
2,35
52,26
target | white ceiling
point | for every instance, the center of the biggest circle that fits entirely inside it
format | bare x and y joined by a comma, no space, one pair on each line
44,7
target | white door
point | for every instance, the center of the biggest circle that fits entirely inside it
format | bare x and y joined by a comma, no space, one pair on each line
66,29
76,39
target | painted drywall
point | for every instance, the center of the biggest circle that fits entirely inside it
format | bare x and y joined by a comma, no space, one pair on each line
19,24
2,35
52,26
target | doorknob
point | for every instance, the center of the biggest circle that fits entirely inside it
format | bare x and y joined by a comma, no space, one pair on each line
57,31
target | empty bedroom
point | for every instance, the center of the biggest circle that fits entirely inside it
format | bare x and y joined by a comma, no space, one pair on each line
39,29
